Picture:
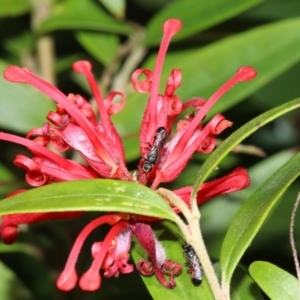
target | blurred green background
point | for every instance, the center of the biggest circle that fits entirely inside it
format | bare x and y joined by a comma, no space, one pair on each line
119,36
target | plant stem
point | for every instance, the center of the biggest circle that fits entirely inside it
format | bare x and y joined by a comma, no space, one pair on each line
45,49
45,44
293,244
176,201
194,238
197,243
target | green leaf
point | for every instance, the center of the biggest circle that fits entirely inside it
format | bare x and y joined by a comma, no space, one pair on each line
216,215
238,136
243,287
24,107
11,287
196,16
8,181
274,281
101,45
19,248
132,147
116,7
262,170
89,195
20,44
12,8
272,10
78,14
253,213
33,272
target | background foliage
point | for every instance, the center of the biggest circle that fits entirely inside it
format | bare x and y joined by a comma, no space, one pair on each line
217,38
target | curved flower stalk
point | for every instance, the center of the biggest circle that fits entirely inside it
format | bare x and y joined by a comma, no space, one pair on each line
75,126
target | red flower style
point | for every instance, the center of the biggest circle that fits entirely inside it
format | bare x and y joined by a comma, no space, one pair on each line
74,125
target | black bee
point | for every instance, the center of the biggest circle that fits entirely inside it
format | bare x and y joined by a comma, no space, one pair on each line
153,155
194,267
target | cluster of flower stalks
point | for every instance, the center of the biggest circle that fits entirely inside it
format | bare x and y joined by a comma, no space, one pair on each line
166,145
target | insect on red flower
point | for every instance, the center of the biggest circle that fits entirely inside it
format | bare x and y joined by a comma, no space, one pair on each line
153,155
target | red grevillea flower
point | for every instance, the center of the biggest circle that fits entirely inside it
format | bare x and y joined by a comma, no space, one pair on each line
74,125
162,110
112,254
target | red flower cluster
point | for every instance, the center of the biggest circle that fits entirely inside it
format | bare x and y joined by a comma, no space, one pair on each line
164,154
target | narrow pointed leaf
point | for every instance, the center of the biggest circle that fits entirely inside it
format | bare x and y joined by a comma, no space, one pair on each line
116,7
77,14
14,7
252,214
11,286
244,287
238,136
102,46
196,16
274,281
18,101
89,195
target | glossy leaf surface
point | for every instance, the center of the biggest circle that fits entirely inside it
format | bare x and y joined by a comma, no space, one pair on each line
89,195
253,213
274,281
77,14
196,16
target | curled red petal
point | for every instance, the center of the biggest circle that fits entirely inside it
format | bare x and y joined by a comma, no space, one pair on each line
207,145
54,118
195,102
174,82
142,86
113,270
29,164
145,267
217,124
161,278
114,108
34,175
172,268
124,266
175,106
